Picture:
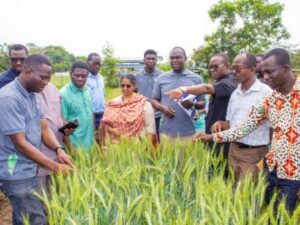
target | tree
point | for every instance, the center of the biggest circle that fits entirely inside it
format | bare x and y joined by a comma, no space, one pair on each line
4,60
109,69
61,59
34,49
244,25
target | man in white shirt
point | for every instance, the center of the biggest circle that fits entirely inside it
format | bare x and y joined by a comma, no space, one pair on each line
246,152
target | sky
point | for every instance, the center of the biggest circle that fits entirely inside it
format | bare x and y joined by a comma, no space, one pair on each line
129,26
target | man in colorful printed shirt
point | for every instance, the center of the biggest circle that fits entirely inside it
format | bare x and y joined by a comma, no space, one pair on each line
77,106
282,110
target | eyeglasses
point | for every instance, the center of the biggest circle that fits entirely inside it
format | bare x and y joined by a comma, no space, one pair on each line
126,85
238,69
215,66
14,60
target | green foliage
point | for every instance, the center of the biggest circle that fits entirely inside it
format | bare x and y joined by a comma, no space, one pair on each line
129,184
59,80
34,49
109,69
165,67
60,58
4,60
244,25
295,58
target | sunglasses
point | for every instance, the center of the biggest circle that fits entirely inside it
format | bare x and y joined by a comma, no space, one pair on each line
238,69
215,66
126,85
14,60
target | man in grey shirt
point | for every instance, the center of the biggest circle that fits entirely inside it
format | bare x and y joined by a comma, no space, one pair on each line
177,117
146,79
22,129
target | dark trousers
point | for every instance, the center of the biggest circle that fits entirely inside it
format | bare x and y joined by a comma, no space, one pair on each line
157,123
23,201
98,117
286,188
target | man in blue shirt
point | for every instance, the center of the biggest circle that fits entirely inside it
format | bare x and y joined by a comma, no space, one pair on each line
17,54
95,82
22,129
146,79
177,117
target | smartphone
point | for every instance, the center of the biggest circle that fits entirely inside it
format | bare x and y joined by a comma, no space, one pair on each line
69,125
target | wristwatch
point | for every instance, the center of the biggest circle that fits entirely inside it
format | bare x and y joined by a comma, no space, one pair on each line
59,147
183,89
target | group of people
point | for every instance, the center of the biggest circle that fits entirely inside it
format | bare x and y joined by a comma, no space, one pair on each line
156,105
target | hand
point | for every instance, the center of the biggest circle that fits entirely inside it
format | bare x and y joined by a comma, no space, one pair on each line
174,94
187,104
63,168
205,138
68,132
216,127
64,158
168,111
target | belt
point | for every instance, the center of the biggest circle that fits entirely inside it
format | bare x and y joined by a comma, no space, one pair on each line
242,145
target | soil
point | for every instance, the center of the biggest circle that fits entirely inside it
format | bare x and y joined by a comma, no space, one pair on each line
5,211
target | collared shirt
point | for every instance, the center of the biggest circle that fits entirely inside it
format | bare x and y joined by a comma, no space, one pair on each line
96,85
19,114
219,101
49,101
239,108
145,83
283,113
181,125
76,104
7,77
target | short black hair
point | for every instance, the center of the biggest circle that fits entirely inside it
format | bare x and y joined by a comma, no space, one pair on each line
79,64
150,51
281,56
250,59
17,47
180,48
35,60
224,57
91,55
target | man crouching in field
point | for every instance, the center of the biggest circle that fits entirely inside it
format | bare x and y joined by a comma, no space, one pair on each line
22,129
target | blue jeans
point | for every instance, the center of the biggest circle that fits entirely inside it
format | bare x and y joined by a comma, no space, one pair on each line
98,117
286,188
23,201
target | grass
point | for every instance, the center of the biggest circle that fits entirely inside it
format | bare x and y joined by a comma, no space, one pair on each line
129,184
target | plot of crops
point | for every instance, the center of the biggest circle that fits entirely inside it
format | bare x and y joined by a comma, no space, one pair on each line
179,184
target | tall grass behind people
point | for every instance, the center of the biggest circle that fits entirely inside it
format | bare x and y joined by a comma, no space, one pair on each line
129,115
